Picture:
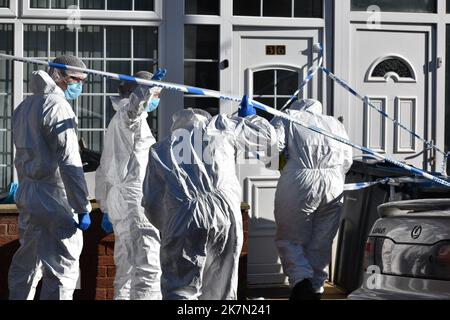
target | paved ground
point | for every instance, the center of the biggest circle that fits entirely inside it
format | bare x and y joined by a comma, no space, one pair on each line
331,293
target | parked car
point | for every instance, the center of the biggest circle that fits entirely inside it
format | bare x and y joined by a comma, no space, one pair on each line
407,254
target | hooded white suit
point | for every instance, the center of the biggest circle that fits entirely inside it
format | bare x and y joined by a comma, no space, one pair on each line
193,196
119,192
51,188
308,200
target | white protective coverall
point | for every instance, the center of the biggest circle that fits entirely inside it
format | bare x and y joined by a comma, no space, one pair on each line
308,199
51,188
119,192
193,196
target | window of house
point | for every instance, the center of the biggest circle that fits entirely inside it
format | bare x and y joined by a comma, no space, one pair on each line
427,6
279,8
203,7
4,3
201,64
127,5
6,144
274,87
118,49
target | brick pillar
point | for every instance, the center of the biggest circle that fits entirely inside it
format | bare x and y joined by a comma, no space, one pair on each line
242,285
96,263
9,243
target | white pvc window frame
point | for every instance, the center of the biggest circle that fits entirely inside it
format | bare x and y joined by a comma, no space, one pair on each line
104,94
10,12
125,15
261,12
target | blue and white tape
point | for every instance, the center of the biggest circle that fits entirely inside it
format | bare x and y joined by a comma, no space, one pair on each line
364,185
216,94
346,86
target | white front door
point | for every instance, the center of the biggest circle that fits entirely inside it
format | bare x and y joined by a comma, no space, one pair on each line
391,66
271,65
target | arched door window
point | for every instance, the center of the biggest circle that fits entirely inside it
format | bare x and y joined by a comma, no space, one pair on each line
391,67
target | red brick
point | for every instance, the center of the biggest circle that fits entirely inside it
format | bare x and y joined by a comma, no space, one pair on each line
109,294
105,283
109,251
8,219
111,272
7,239
3,228
109,239
13,229
106,261
101,250
100,294
102,272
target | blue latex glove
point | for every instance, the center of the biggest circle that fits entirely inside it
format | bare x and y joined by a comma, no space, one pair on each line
106,224
84,221
246,108
160,74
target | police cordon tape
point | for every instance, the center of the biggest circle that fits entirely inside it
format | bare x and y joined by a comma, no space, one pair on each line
364,185
317,48
366,100
216,94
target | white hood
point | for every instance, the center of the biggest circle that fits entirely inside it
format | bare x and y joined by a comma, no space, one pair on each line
309,105
187,119
42,84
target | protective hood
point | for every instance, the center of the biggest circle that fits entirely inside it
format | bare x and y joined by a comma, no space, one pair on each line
187,119
42,84
309,105
118,102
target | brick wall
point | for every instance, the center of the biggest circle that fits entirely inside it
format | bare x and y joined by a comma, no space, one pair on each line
96,262
8,245
97,259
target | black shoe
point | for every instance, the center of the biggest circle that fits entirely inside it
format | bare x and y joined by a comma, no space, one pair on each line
303,291
317,296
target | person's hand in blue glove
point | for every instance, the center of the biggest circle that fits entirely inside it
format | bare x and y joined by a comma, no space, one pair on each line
160,74
84,221
246,108
106,224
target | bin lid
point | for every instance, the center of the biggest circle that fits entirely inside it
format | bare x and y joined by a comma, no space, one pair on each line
378,169
434,207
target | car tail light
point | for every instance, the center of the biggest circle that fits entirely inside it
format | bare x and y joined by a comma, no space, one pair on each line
443,255
440,261
369,253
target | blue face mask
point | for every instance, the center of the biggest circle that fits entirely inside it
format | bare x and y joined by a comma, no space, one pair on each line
73,91
152,105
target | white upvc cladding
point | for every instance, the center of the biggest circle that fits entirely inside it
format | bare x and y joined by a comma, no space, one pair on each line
345,19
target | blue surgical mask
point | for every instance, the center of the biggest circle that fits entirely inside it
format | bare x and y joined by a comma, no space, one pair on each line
152,105
73,91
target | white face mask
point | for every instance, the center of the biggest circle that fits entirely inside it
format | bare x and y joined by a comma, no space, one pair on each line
118,102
